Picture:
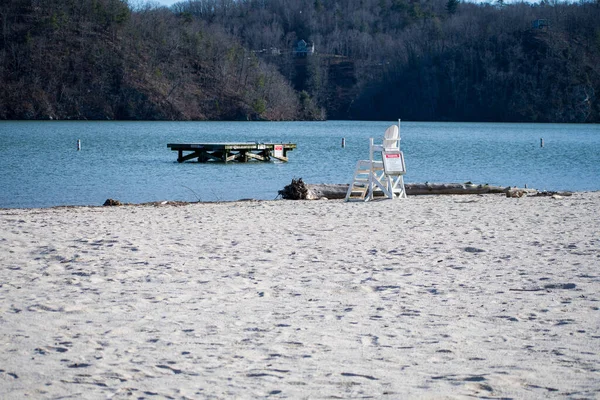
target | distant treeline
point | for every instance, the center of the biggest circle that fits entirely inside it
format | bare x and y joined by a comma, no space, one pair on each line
231,60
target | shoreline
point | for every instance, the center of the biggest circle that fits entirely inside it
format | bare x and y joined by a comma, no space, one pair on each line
429,297
160,203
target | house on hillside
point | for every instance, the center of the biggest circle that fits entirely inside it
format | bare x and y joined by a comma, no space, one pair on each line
540,24
303,48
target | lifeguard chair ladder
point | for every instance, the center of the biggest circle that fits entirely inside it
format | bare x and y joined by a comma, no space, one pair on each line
385,176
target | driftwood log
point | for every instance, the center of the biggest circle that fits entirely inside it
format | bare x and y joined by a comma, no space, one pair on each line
296,190
338,191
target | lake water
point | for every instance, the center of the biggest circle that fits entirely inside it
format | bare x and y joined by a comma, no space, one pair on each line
129,161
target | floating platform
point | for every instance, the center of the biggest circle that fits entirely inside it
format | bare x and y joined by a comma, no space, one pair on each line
226,152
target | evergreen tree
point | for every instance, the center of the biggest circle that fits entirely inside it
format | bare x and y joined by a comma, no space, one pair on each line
452,6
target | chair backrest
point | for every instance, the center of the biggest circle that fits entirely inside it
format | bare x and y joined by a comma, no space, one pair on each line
391,138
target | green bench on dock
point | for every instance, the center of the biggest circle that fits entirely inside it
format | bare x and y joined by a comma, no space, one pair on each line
225,152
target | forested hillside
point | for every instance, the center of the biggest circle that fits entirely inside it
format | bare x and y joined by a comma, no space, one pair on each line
373,59
99,59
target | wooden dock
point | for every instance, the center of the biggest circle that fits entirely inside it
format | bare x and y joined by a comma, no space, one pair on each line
226,152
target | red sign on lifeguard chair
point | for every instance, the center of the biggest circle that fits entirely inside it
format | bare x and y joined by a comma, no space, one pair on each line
393,162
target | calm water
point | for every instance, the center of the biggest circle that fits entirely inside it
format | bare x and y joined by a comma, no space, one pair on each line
130,161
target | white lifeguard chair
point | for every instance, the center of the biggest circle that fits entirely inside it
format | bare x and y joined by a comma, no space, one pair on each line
382,175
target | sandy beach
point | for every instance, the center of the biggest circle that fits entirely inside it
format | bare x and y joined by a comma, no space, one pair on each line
429,297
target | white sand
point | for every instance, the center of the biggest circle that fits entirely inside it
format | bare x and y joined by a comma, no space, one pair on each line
429,297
